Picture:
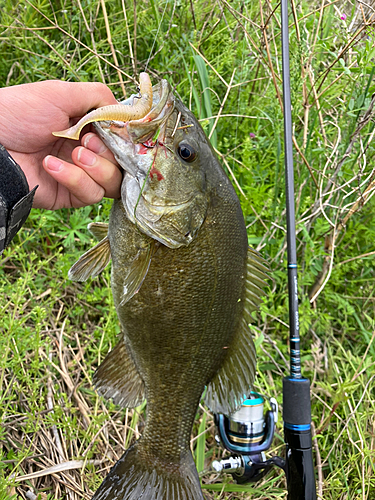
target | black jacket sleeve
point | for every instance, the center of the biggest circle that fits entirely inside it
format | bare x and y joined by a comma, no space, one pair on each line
15,198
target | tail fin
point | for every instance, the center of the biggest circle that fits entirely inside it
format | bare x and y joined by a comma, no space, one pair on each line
135,477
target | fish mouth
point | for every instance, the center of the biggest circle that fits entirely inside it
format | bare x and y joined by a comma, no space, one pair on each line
142,130
131,141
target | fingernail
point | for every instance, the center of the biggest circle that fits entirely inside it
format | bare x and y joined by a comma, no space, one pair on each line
86,157
53,163
96,145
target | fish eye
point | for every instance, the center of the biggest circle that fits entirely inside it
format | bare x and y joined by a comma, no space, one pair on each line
186,152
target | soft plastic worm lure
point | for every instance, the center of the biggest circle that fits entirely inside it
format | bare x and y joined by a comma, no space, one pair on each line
120,112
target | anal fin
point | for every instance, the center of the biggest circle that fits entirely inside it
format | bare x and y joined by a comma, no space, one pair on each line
117,378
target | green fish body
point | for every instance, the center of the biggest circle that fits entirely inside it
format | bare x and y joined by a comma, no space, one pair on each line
184,285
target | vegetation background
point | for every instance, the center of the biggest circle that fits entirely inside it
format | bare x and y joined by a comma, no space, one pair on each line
58,439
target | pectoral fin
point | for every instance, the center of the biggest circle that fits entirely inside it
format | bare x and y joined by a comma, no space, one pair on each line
117,378
91,263
232,383
137,271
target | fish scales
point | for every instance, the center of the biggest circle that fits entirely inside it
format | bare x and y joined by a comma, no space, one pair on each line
181,272
183,316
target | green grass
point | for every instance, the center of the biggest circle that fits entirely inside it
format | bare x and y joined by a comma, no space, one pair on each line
54,333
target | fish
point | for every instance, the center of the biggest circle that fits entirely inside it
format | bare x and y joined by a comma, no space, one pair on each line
185,285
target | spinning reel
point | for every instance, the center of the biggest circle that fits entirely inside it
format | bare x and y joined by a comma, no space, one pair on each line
248,433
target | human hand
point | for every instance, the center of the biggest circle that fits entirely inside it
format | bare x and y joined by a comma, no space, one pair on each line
68,176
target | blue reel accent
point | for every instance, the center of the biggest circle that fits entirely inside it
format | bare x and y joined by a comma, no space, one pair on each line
258,400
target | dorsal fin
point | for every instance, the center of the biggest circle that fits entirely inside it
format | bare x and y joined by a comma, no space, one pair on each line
117,378
232,383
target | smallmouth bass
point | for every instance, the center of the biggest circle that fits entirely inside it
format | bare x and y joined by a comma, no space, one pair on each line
184,284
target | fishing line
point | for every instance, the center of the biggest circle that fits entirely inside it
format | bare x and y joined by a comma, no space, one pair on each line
238,112
176,125
143,186
157,34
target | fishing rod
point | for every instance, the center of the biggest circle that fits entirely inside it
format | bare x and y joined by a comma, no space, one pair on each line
296,389
247,434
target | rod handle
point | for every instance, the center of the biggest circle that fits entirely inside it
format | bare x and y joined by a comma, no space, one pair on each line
296,401
297,433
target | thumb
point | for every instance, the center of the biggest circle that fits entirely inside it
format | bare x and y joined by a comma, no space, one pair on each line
77,98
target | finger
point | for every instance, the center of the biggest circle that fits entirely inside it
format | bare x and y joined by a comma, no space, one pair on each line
76,98
83,188
93,142
104,172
